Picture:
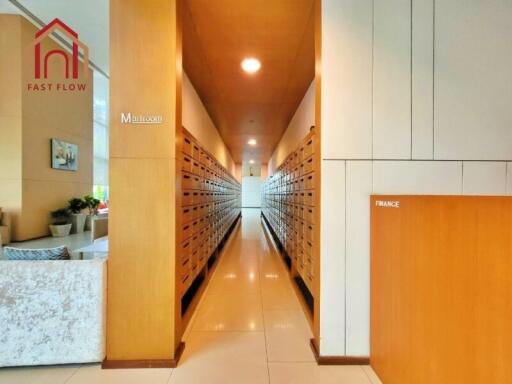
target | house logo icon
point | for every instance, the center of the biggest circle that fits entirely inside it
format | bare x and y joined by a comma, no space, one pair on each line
41,58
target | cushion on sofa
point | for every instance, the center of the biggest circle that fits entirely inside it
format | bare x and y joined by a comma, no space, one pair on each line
58,253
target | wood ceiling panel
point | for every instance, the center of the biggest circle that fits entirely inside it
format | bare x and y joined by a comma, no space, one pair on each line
218,34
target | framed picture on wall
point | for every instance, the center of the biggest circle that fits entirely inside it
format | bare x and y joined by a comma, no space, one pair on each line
64,155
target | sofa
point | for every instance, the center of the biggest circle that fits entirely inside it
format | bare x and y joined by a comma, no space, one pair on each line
52,312
5,228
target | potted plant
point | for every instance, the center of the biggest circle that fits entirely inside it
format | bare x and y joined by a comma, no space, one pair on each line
92,205
60,226
76,206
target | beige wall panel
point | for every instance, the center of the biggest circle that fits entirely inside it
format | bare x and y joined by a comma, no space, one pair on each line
10,65
141,260
145,52
10,114
417,177
358,190
37,153
238,172
10,148
298,128
347,79
473,57
10,200
423,79
40,197
332,259
197,121
485,178
392,79
509,178
264,171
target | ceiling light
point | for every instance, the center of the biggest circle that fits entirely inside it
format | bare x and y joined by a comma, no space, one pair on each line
251,161
252,142
251,65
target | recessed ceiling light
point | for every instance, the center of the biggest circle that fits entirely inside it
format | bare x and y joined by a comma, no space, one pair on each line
251,161
252,142
251,65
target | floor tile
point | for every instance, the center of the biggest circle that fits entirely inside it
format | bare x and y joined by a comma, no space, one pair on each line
311,373
374,379
287,336
235,281
223,358
93,374
37,375
280,298
229,312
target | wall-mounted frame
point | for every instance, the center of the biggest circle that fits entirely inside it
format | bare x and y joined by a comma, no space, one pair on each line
64,155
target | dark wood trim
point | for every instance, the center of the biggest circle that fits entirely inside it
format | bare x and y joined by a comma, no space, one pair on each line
159,363
337,360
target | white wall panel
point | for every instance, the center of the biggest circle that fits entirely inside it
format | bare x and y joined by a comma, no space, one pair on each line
392,79
251,191
485,178
417,177
473,80
298,128
422,79
358,190
332,259
346,79
509,178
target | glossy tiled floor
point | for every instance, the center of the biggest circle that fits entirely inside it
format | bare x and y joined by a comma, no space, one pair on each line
249,328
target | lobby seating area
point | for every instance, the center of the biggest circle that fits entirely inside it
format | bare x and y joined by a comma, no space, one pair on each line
73,242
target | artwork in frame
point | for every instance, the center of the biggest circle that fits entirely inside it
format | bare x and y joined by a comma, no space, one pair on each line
64,155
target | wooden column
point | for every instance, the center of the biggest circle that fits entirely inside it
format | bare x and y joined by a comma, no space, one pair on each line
145,79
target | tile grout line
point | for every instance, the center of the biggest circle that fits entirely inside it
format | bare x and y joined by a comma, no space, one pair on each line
170,376
370,381
261,300
73,374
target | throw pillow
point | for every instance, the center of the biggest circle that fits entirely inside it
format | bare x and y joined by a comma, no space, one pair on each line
58,253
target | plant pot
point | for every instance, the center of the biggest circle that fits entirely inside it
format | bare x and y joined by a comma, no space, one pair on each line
60,230
88,222
78,221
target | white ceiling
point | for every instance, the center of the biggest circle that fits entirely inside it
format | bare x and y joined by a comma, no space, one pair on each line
89,18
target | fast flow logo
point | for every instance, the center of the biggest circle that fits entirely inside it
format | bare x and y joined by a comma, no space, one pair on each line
44,79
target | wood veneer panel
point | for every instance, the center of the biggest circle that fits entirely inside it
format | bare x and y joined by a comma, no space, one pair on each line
441,297
145,79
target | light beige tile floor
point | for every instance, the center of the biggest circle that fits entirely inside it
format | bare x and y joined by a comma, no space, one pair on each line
248,328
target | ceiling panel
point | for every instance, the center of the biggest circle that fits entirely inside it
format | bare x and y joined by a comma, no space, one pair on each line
217,35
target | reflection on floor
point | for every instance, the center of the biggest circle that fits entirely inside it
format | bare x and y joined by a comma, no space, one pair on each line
249,328
74,241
